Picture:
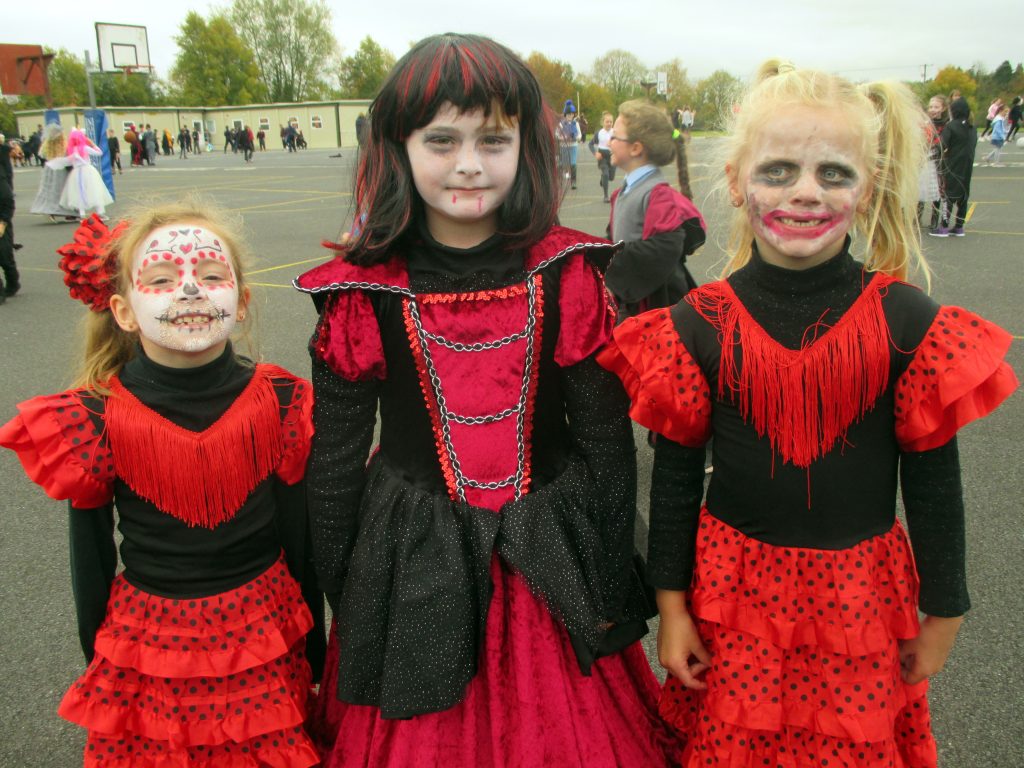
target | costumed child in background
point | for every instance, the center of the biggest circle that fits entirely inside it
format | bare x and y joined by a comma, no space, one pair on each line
10,281
84,189
480,566
659,226
600,147
959,142
930,184
998,138
196,649
569,136
51,184
789,604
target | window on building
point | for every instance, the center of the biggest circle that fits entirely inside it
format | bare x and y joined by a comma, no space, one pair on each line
316,121
264,123
126,126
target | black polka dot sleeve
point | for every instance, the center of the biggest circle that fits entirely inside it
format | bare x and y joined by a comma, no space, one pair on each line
344,416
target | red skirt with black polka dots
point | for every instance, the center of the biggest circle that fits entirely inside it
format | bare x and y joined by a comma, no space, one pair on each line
196,683
805,656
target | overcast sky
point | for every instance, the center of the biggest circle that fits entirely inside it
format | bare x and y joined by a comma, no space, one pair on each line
864,39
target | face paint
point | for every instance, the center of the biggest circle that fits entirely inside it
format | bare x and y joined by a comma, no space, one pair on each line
803,181
184,290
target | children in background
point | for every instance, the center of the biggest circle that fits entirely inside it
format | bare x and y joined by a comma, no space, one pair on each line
659,226
54,178
84,189
959,142
10,281
600,147
789,604
115,151
999,132
930,186
993,110
569,136
195,649
480,566
1013,118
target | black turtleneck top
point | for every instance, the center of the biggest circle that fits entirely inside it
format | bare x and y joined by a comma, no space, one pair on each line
844,497
161,554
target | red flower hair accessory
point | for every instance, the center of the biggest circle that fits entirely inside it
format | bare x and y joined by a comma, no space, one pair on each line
89,271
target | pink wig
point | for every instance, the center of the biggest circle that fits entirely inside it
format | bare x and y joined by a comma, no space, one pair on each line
77,142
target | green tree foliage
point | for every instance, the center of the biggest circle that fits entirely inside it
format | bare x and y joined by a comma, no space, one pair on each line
594,100
715,97
8,122
949,79
362,74
292,42
214,67
620,72
69,87
555,79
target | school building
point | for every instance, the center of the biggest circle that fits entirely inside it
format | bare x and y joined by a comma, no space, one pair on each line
324,124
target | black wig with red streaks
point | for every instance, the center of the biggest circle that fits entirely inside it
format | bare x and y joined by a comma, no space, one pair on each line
470,72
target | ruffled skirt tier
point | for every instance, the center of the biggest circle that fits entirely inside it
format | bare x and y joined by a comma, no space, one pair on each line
805,656
195,683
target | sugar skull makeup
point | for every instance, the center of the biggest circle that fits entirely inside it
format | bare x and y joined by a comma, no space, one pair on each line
184,290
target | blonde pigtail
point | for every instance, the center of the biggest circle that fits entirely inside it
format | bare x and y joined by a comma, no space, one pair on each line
890,226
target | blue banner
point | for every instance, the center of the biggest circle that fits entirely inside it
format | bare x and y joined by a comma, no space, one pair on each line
96,130
51,116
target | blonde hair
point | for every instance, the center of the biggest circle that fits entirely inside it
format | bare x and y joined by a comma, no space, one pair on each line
54,144
650,126
107,348
892,128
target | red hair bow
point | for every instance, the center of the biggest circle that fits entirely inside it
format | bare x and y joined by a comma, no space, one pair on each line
89,271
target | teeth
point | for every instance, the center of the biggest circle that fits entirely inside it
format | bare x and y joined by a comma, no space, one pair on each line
191,320
801,222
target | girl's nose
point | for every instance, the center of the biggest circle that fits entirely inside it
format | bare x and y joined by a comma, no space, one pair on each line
190,289
468,160
806,189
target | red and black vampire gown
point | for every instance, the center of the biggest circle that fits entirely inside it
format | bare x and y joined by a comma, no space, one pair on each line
196,648
823,390
487,610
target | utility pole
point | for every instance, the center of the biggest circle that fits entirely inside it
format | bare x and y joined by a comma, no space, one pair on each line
88,80
924,73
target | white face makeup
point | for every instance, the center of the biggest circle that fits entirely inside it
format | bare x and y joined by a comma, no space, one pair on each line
463,166
184,292
802,183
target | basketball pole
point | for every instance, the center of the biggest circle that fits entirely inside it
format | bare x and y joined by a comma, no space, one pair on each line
88,81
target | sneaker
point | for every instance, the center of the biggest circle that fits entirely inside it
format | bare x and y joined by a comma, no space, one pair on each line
939,232
957,232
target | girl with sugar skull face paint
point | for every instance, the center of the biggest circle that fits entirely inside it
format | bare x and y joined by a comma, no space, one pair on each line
222,554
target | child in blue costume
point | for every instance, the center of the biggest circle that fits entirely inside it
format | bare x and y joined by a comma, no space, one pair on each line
789,602
480,565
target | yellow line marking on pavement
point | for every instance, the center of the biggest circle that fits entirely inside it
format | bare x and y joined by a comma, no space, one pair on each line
272,285
294,202
285,266
994,232
992,202
970,212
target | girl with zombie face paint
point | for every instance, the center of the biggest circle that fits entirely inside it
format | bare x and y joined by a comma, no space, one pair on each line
480,565
789,601
197,649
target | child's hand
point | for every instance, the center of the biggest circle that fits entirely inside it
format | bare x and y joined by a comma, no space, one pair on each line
680,649
926,654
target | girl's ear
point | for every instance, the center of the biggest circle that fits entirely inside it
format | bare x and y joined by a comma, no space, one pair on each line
733,179
123,314
243,304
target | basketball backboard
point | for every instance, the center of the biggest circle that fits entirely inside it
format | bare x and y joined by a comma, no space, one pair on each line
122,47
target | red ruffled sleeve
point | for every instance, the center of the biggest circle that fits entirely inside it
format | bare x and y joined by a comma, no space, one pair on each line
348,337
667,388
61,449
296,424
587,311
958,374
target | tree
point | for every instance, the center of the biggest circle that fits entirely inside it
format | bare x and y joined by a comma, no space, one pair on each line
595,99
363,73
292,43
716,95
8,121
1002,77
68,85
620,72
949,79
214,67
554,77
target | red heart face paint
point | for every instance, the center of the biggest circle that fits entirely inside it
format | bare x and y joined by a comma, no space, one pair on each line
184,290
463,166
803,180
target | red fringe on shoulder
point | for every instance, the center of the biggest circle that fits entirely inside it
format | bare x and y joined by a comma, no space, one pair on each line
222,465
804,399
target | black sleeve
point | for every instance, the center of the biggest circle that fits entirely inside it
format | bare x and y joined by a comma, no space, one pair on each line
597,408
934,504
6,201
643,266
292,519
677,489
93,565
344,414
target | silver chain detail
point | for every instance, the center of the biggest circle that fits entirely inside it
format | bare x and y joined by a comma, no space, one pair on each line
447,416
479,346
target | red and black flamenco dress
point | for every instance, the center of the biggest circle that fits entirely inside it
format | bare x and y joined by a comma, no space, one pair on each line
487,611
820,389
197,648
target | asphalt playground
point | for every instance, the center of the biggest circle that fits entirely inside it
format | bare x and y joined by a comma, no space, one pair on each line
289,203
